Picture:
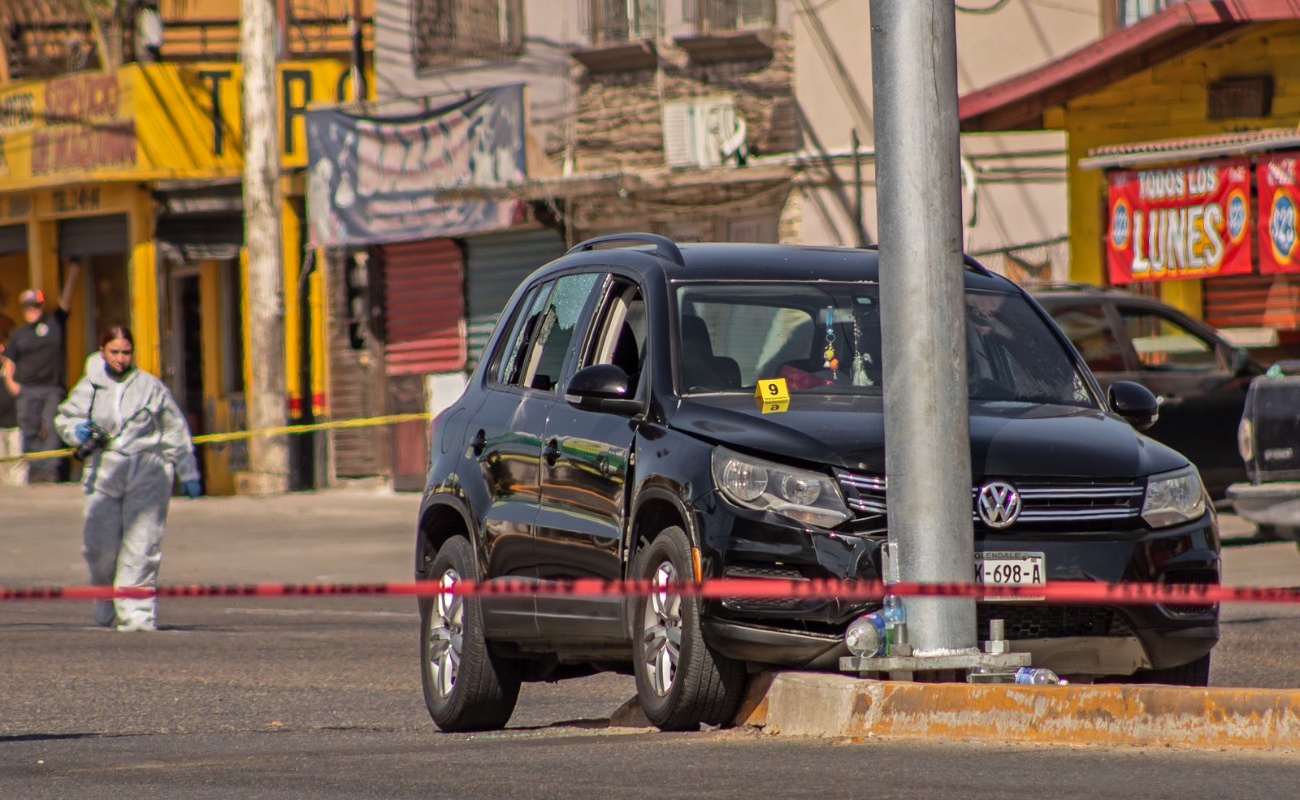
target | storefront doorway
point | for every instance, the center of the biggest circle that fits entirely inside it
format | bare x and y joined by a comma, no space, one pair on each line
102,246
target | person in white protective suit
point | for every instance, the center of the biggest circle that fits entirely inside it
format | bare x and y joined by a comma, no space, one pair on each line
140,442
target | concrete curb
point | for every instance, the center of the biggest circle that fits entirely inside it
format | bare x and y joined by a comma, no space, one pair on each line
815,704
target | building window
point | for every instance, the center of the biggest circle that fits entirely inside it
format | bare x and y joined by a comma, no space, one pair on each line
623,20
722,16
448,31
1133,11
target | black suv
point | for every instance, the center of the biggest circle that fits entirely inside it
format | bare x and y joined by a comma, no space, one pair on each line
1198,376
612,431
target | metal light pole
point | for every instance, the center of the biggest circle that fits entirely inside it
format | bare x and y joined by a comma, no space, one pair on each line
267,396
927,428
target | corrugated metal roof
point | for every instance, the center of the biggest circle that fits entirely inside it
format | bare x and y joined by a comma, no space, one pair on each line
1018,103
1190,148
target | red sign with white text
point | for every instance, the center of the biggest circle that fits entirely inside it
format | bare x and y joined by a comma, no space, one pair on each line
1279,197
1179,223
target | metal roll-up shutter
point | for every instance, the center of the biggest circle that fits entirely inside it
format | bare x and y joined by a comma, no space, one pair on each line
13,239
356,384
424,307
202,237
94,236
496,264
1253,301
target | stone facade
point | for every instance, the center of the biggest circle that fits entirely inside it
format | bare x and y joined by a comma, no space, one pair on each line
620,127
620,119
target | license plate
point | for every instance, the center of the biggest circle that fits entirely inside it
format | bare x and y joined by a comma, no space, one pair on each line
1003,568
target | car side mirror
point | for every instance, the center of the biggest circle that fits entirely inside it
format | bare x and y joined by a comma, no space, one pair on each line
1135,403
601,387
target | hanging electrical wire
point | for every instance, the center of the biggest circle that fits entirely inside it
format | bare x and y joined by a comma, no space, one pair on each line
993,9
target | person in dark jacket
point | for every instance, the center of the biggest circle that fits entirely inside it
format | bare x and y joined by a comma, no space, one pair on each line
12,473
39,353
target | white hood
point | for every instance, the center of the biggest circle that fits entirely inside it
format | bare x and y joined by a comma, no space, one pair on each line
138,412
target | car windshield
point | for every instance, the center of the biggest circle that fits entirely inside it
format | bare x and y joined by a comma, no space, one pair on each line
825,338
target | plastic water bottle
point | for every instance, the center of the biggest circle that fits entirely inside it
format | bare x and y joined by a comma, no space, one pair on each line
1036,676
895,623
865,636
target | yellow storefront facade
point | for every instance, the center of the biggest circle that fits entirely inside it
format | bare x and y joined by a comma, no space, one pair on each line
1196,89
136,174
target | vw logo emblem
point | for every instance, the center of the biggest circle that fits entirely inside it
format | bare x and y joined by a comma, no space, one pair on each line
999,504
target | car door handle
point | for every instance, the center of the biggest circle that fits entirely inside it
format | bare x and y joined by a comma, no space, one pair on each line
551,452
478,443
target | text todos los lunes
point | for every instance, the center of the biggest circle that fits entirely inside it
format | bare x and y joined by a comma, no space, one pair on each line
1173,239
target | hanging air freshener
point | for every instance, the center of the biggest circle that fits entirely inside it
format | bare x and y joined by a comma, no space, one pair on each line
829,353
859,369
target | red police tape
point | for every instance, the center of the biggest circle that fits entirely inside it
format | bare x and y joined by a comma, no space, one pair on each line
1082,592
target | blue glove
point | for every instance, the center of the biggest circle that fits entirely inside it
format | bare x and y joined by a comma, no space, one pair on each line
83,431
191,489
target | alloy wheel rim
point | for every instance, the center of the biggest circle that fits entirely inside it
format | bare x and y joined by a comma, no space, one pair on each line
446,636
662,630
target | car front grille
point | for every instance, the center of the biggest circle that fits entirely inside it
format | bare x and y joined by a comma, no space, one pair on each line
763,572
1065,504
1202,577
1038,621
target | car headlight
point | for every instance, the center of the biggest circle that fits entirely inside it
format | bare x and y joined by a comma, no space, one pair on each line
1173,497
809,498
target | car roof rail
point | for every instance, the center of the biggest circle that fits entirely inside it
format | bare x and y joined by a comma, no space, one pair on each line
663,246
967,259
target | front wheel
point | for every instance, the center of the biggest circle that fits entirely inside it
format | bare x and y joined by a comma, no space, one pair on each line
1195,673
466,686
680,681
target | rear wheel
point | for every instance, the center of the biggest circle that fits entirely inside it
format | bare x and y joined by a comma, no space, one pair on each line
1196,673
1277,533
466,686
680,681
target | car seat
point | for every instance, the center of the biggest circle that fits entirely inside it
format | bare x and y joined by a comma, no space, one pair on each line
627,356
701,369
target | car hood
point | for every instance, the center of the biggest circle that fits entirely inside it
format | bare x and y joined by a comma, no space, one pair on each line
1007,439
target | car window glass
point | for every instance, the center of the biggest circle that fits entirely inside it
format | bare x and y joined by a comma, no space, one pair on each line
1005,362
512,348
748,339
826,338
549,347
1088,327
1163,345
621,337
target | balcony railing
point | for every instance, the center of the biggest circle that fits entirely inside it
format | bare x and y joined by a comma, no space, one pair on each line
451,31
46,48
726,16
612,21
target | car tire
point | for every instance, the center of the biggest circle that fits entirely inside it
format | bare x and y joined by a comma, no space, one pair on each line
1277,533
466,686
681,682
1195,673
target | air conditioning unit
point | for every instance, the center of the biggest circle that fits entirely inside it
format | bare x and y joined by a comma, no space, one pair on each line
703,132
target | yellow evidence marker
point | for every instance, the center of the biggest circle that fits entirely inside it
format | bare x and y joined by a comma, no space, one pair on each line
773,396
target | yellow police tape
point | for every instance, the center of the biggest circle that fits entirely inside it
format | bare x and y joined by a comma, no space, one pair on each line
216,438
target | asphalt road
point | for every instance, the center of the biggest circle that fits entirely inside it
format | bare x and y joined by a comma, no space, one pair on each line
320,697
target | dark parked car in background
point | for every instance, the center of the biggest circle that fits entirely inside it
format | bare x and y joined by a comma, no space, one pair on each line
612,431
1269,438
1199,377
